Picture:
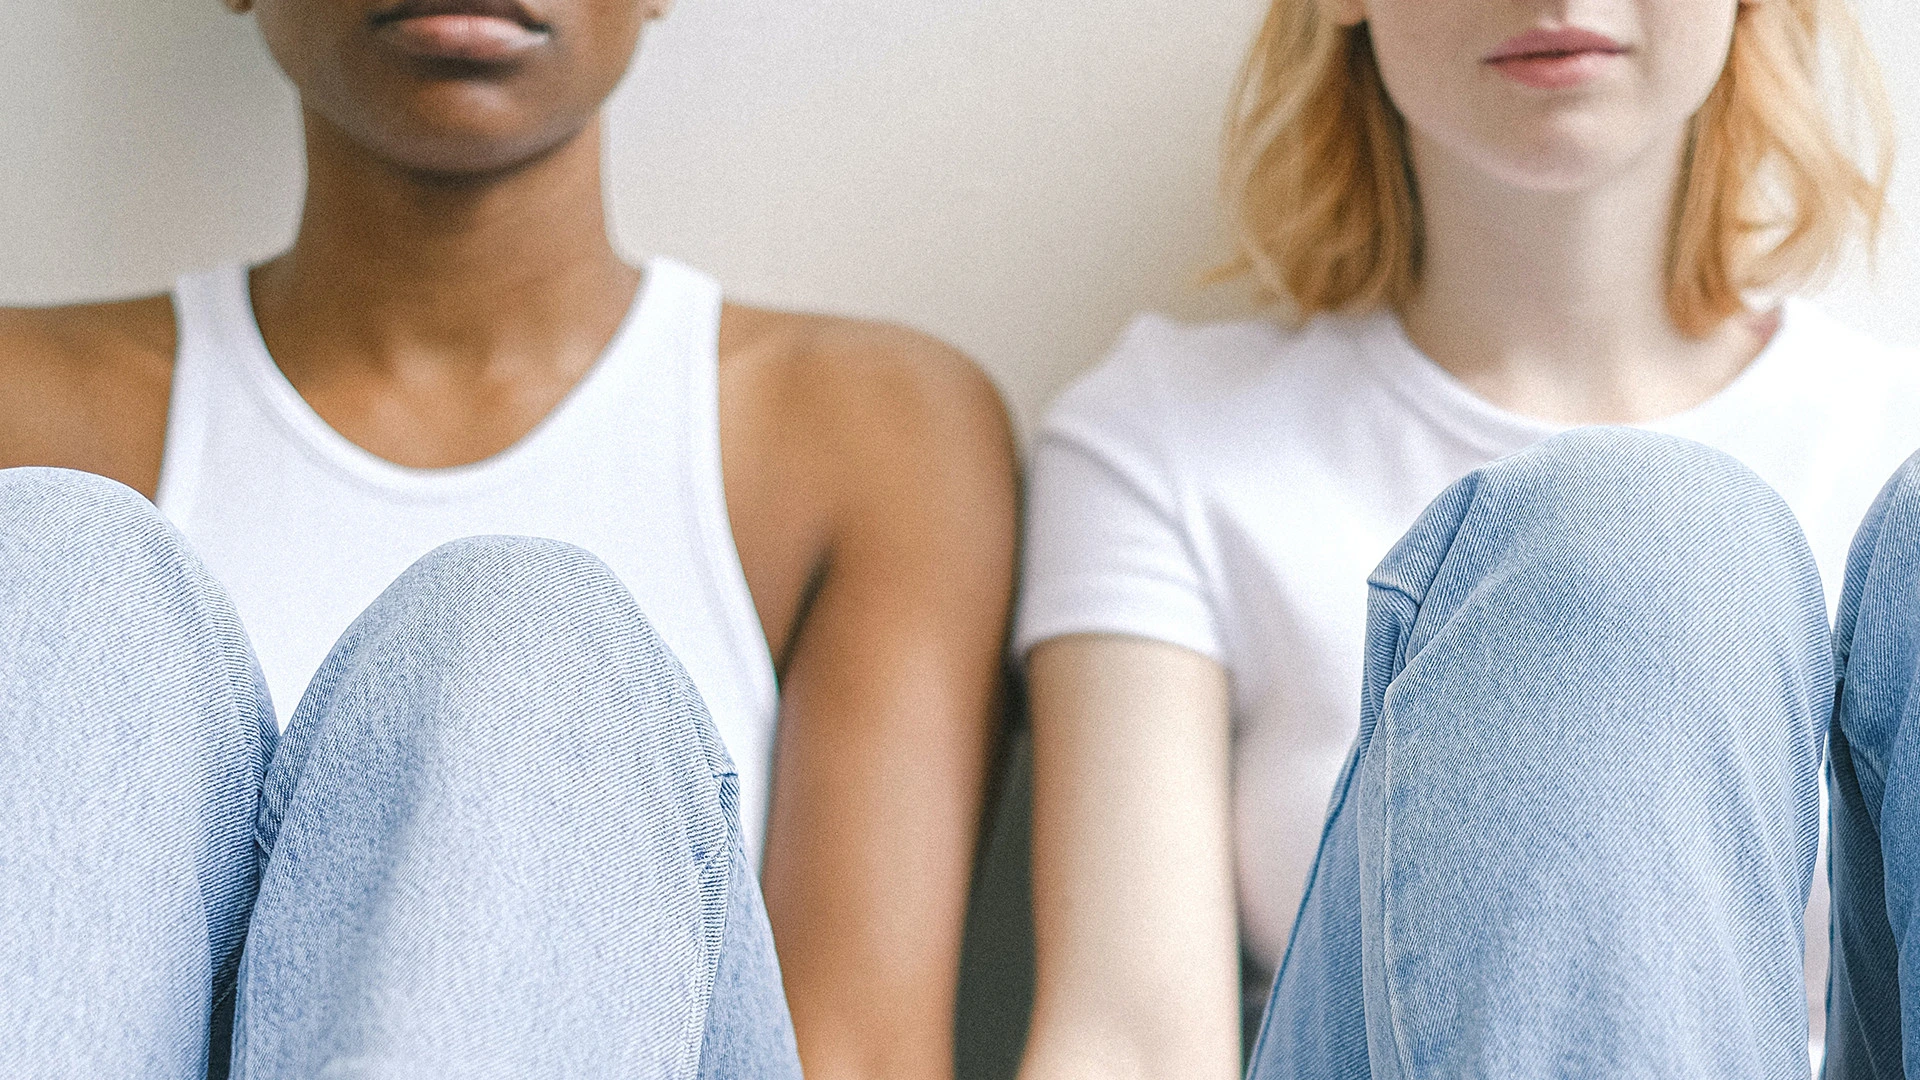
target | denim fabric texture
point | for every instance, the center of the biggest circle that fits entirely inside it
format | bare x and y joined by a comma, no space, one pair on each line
500,835
1875,775
1577,830
134,733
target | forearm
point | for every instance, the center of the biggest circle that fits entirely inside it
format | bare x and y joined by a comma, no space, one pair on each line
1134,910
915,1048
871,966
1091,1047
868,865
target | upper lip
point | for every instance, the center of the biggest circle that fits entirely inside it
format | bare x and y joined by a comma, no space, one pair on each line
1563,41
510,10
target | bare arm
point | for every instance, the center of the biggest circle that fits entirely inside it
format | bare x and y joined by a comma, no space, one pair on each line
1132,870
86,388
888,702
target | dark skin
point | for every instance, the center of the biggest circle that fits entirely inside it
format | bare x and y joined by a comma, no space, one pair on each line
452,280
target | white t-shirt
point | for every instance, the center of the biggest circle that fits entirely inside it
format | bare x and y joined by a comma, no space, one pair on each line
1228,488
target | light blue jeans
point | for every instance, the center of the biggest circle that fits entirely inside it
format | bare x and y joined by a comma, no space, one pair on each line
499,837
1576,833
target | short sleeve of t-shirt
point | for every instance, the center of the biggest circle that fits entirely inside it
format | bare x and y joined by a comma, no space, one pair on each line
1108,550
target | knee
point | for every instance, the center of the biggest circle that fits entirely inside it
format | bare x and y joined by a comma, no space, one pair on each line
497,665
1883,567
92,564
1642,519
1877,636
1899,501
1619,552
494,635
1602,608
76,530
126,662
1593,485
490,601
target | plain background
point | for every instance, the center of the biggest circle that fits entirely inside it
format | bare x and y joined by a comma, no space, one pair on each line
1015,177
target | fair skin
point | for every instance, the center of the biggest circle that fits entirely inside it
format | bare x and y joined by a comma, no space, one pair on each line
1548,211
451,281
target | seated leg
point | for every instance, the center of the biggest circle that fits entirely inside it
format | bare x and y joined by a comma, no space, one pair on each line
1874,992
134,734
1577,831
503,842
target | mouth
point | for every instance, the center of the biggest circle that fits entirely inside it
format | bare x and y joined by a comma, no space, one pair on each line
1556,59
486,32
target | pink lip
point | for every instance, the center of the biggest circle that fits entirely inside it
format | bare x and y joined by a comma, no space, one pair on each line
478,39
468,31
1556,59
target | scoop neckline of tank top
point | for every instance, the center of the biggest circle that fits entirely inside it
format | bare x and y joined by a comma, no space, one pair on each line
1436,393
313,434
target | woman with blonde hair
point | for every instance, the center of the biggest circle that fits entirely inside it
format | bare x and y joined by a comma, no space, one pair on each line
1590,671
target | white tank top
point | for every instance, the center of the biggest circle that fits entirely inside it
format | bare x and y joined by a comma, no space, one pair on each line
305,528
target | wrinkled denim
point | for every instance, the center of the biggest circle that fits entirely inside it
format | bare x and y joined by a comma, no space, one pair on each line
1874,993
1577,830
499,837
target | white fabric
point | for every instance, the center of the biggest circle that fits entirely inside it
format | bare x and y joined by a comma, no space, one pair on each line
305,528
1228,488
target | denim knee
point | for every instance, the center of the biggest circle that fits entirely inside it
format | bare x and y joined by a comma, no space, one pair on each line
1598,676
131,677
1624,523
1631,599
531,609
82,496
1681,507
1880,564
487,645
502,777
87,536
91,557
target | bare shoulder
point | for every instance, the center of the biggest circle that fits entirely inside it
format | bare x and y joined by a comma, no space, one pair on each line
139,330
86,386
889,400
841,370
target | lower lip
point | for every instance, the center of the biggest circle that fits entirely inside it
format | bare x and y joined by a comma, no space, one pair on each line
1563,71
477,39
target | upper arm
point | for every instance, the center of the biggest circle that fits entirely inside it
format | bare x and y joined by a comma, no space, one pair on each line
32,388
889,703
1134,910
1133,880
86,388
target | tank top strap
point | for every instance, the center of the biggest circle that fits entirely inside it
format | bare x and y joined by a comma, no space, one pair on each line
679,315
686,305
680,331
211,312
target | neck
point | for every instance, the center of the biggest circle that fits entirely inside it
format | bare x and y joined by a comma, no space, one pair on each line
1553,304
393,268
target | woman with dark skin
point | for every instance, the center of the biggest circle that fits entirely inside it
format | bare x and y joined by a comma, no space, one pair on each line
451,282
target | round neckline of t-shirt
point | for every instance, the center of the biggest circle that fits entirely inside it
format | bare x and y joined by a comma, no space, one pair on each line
1437,394
327,446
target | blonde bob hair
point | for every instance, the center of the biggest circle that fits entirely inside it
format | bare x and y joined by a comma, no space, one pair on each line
1319,180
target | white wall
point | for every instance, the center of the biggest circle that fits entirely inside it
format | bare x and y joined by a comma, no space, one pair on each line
1887,300
1014,176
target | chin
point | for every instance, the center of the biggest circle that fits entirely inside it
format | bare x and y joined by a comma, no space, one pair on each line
1562,159
1557,174
459,133
453,161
